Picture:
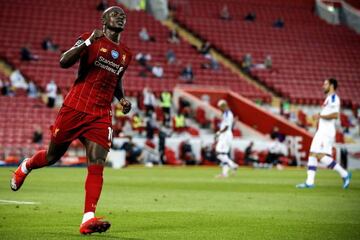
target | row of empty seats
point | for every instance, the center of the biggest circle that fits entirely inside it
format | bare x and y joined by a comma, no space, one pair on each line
304,52
28,22
18,117
64,25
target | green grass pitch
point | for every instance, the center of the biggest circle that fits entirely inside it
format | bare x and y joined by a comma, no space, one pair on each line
184,203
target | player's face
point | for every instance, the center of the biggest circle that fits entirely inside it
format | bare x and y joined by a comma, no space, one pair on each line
116,20
223,107
326,86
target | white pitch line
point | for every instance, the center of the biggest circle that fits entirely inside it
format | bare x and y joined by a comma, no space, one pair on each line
16,202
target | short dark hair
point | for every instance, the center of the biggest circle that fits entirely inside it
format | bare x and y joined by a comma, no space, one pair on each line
333,82
109,9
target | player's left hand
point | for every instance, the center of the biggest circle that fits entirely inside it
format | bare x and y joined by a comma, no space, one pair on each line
126,105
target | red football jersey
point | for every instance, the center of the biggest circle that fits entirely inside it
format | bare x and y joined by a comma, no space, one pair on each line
101,65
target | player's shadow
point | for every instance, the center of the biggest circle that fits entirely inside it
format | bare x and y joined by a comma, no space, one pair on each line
94,236
150,228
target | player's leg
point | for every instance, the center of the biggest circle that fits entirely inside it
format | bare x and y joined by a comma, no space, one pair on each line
96,155
222,149
328,161
315,148
53,154
38,160
65,129
225,163
231,163
229,139
167,116
311,169
311,172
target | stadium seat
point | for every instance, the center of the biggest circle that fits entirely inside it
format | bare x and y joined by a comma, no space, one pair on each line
63,25
171,157
304,53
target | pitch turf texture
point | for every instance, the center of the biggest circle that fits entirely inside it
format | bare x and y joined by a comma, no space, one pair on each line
183,203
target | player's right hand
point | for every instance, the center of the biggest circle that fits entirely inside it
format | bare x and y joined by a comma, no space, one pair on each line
126,105
96,34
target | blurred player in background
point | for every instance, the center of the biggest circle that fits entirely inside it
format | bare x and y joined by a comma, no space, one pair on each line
86,112
323,141
224,139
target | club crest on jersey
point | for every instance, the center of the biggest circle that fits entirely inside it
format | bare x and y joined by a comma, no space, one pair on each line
114,54
56,132
123,59
103,50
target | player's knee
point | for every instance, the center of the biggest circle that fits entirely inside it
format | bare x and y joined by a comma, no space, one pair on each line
222,157
97,160
315,155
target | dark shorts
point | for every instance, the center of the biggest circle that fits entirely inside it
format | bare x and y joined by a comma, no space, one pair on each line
71,124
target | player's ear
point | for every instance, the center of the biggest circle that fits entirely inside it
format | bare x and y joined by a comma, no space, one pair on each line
104,19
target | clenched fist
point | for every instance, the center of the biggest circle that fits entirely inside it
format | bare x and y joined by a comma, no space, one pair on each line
126,105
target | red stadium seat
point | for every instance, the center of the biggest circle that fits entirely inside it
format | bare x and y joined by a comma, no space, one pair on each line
200,117
239,157
304,52
64,32
171,157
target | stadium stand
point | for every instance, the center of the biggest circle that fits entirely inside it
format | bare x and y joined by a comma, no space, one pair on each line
16,127
41,19
66,24
290,64
304,52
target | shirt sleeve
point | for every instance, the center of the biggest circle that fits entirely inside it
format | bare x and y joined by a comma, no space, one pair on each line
333,106
81,39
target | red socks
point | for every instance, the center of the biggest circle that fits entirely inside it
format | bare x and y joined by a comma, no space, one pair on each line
37,161
93,186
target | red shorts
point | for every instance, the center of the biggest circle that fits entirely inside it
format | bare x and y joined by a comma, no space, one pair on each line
71,124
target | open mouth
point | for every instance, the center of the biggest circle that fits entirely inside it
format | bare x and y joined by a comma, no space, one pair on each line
120,23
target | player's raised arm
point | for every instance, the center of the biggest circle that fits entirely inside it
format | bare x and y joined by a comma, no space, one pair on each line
71,56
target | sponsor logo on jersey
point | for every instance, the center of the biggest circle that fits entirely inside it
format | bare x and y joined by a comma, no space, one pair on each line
108,65
114,54
103,50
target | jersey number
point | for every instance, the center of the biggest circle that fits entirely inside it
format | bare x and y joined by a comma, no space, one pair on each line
110,135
